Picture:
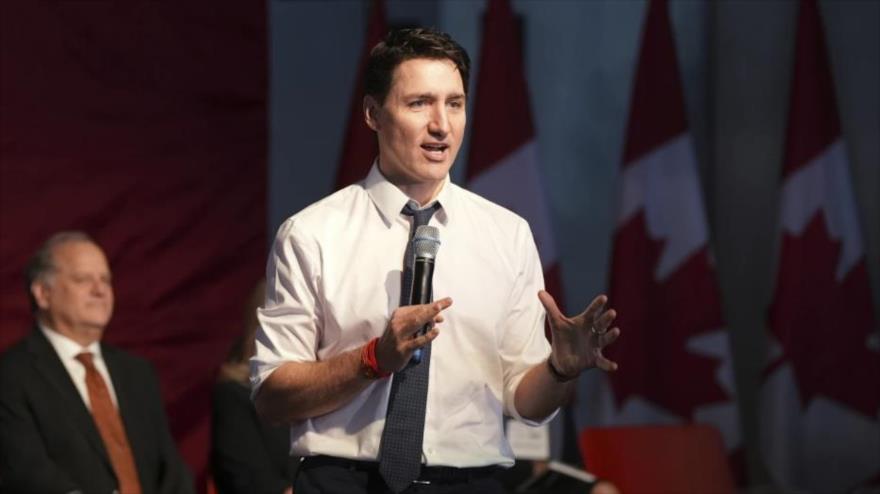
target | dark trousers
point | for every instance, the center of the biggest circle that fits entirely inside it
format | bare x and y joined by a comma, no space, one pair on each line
327,475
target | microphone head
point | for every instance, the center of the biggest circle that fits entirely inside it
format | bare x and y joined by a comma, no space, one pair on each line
426,241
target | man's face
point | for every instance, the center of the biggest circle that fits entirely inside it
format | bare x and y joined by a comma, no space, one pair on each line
76,299
421,123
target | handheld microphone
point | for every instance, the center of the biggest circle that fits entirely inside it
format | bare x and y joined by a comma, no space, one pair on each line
425,243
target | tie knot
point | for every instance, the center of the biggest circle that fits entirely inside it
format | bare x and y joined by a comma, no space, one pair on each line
87,359
420,216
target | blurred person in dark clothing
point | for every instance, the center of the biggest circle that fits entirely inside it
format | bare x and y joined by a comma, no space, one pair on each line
247,455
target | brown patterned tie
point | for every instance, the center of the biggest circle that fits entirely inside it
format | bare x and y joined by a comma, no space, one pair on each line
110,427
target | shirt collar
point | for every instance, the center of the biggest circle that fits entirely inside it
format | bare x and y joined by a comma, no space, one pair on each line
390,200
66,348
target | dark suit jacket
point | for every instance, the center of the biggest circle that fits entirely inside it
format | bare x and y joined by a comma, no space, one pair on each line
247,455
48,440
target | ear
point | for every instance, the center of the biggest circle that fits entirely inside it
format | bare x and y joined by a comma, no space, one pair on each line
371,112
40,290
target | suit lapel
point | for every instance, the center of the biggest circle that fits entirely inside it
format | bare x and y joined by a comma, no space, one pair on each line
49,365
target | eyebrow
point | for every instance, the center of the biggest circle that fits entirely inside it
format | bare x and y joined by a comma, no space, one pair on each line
433,96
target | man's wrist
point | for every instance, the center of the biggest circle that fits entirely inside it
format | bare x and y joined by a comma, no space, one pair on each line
369,365
559,376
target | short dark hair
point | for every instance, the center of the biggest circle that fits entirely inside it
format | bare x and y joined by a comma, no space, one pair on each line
401,45
41,264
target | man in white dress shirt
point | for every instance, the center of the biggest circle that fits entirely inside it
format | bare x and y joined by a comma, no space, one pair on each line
335,336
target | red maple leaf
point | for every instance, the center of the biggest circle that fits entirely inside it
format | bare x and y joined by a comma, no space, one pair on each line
657,320
823,323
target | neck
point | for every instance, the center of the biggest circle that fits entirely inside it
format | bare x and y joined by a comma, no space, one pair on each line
421,192
82,336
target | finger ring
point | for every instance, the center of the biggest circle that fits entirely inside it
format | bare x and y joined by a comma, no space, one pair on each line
596,332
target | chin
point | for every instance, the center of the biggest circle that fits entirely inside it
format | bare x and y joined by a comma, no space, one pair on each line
97,323
436,171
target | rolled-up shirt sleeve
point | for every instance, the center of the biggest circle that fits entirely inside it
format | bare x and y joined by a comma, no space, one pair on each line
290,319
524,344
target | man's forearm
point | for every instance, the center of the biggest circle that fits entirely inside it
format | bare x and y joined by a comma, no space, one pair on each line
301,390
539,393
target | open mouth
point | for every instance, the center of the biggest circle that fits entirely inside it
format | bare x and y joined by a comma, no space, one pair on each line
435,150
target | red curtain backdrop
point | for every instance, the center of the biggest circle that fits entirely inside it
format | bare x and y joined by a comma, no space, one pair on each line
144,124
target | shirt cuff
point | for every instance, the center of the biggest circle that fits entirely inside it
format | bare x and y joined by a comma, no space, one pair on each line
510,404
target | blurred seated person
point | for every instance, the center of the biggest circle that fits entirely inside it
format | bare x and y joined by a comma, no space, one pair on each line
78,415
536,476
540,479
247,455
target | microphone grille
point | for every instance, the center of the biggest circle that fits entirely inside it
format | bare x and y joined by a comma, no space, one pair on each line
426,241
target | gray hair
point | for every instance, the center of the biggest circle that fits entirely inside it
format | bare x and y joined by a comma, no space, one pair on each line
41,265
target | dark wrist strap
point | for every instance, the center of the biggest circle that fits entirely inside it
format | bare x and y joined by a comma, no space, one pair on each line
558,376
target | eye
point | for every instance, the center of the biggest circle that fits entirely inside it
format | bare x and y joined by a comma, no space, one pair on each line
457,104
417,103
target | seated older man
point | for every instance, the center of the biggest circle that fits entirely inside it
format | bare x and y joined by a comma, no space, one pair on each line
77,415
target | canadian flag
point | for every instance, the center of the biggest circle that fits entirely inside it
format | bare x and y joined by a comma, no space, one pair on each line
820,406
503,166
360,145
503,163
674,354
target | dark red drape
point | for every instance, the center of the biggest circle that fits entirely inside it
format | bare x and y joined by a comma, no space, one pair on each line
144,124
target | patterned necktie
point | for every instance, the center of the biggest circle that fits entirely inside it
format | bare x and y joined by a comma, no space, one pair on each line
400,453
110,427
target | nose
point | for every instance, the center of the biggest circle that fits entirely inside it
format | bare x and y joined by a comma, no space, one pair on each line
100,287
438,127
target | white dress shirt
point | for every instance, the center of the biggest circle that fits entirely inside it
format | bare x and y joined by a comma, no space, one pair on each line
333,280
67,350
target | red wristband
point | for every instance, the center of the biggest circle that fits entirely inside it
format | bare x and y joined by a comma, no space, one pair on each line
369,364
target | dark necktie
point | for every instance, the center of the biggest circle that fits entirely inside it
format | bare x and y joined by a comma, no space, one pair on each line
110,427
400,453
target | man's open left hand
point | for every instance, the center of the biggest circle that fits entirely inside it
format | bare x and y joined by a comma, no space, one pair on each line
578,341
